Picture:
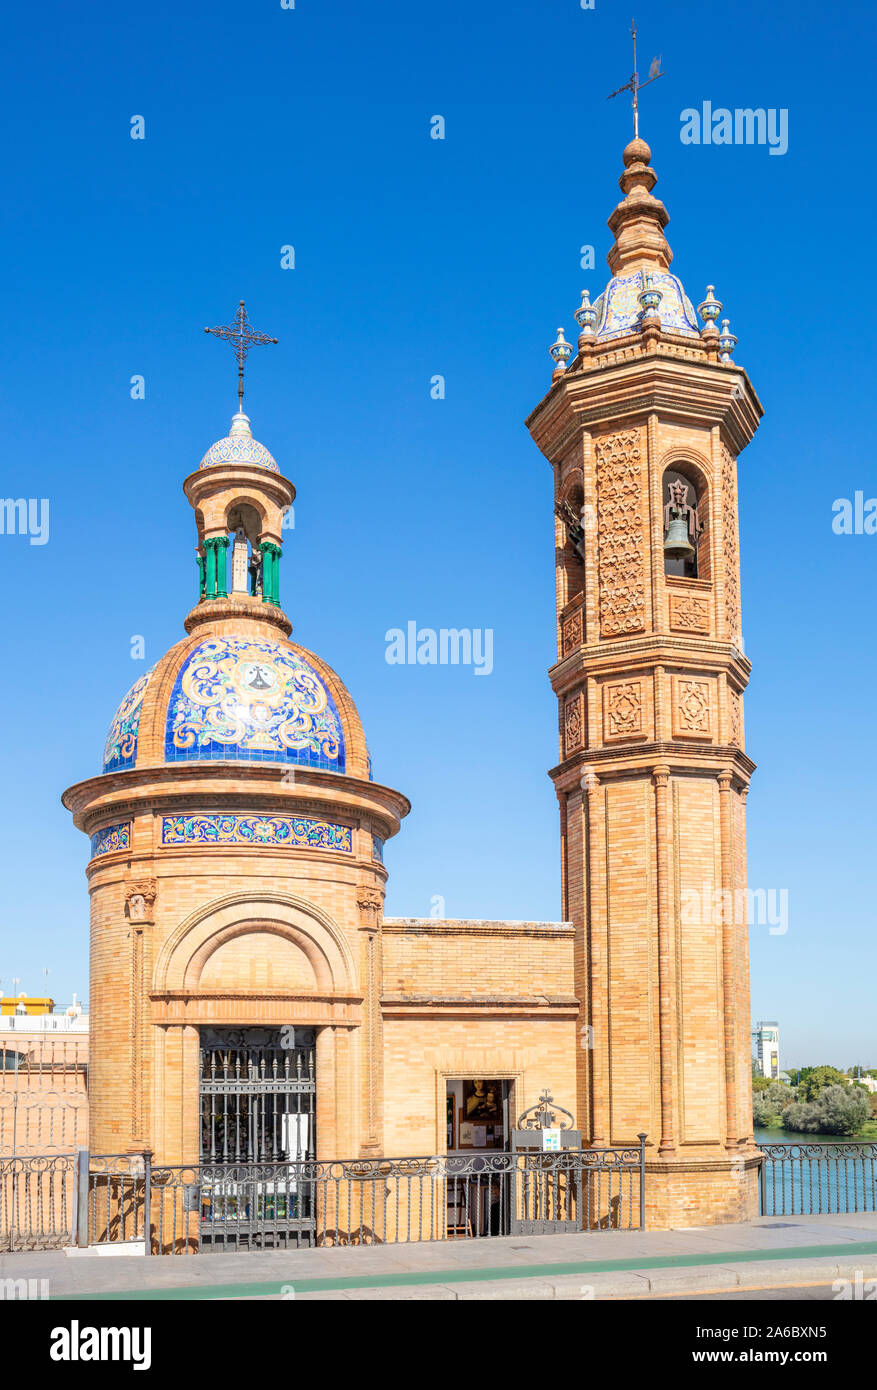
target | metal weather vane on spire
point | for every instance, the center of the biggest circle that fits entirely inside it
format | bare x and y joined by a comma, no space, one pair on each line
634,85
243,336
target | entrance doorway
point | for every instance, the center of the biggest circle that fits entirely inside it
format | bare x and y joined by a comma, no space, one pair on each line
258,1095
478,1115
258,1134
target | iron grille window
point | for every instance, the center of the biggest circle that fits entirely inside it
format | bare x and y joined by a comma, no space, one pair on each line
258,1093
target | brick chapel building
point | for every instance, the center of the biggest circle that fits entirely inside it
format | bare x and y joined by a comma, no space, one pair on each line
249,999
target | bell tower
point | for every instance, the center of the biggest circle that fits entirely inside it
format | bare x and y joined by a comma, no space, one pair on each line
643,427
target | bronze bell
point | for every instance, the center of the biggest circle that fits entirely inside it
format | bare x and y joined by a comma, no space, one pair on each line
676,542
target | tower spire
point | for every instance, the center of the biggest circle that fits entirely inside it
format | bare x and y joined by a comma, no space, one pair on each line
634,85
243,336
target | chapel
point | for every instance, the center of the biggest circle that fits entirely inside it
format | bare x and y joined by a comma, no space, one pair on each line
250,999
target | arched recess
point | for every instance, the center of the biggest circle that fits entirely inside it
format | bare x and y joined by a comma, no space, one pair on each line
693,472
189,948
571,538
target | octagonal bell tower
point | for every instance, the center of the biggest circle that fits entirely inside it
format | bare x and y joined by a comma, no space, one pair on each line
643,427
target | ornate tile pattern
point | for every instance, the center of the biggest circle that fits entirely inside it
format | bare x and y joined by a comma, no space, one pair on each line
285,832
111,838
248,700
121,746
620,311
239,449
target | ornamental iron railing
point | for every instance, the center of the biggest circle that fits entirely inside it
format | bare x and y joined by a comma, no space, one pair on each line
51,1201
818,1179
37,1201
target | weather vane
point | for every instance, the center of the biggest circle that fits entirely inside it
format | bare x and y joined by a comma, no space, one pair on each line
243,336
634,85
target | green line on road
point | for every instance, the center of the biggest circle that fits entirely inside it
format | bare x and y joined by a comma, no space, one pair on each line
472,1276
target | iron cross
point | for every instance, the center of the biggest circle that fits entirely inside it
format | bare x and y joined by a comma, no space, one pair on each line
243,336
634,85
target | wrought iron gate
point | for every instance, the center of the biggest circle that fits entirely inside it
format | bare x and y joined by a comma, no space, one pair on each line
258,1108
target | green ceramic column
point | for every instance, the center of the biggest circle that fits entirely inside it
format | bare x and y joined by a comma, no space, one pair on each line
221,544
202,575
210,568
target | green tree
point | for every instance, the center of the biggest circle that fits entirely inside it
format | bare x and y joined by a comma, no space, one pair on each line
811,1086
845,1109
805,1117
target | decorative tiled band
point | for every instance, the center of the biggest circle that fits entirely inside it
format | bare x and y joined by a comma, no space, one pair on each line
285,832
111,838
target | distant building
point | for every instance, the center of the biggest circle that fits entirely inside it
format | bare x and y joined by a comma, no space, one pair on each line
766,1049
43,1077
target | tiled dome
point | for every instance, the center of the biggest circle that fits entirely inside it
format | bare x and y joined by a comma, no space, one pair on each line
239,699
252,699
121,745
620,312
239,446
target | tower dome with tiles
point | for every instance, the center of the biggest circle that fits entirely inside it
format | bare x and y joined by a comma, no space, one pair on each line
236,689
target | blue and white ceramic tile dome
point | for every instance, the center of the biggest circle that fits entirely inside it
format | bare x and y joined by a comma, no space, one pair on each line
620,311
252,699
239,447
120,750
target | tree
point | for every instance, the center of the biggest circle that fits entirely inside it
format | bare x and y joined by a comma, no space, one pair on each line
839,1110
763,1113
811,1086
759,1083
803,1116
845,1109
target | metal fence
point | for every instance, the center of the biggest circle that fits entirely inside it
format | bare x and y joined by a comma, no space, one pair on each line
214,1207
37,1201
52,1201
813,1179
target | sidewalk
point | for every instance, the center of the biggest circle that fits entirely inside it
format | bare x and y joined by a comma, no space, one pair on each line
599,1264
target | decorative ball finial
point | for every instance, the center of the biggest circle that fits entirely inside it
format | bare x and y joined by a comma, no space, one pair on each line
637,152
561,352
727,341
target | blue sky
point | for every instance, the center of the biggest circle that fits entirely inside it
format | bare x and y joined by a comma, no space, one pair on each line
267,127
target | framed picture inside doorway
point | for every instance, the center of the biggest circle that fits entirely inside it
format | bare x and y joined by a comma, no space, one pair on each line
482,1102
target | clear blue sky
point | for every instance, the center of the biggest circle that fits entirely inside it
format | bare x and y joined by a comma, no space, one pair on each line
310,127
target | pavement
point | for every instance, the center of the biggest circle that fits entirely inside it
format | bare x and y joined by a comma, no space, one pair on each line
710,1261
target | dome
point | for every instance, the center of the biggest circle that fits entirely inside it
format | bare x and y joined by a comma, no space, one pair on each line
239,447
255,700
244,697
619,310
120,750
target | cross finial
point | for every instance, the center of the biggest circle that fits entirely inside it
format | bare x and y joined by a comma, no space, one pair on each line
634,85
243,336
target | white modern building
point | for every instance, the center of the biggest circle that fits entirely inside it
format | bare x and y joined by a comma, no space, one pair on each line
766,1048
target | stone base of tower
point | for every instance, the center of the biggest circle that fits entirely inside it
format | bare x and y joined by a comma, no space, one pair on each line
701,1192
